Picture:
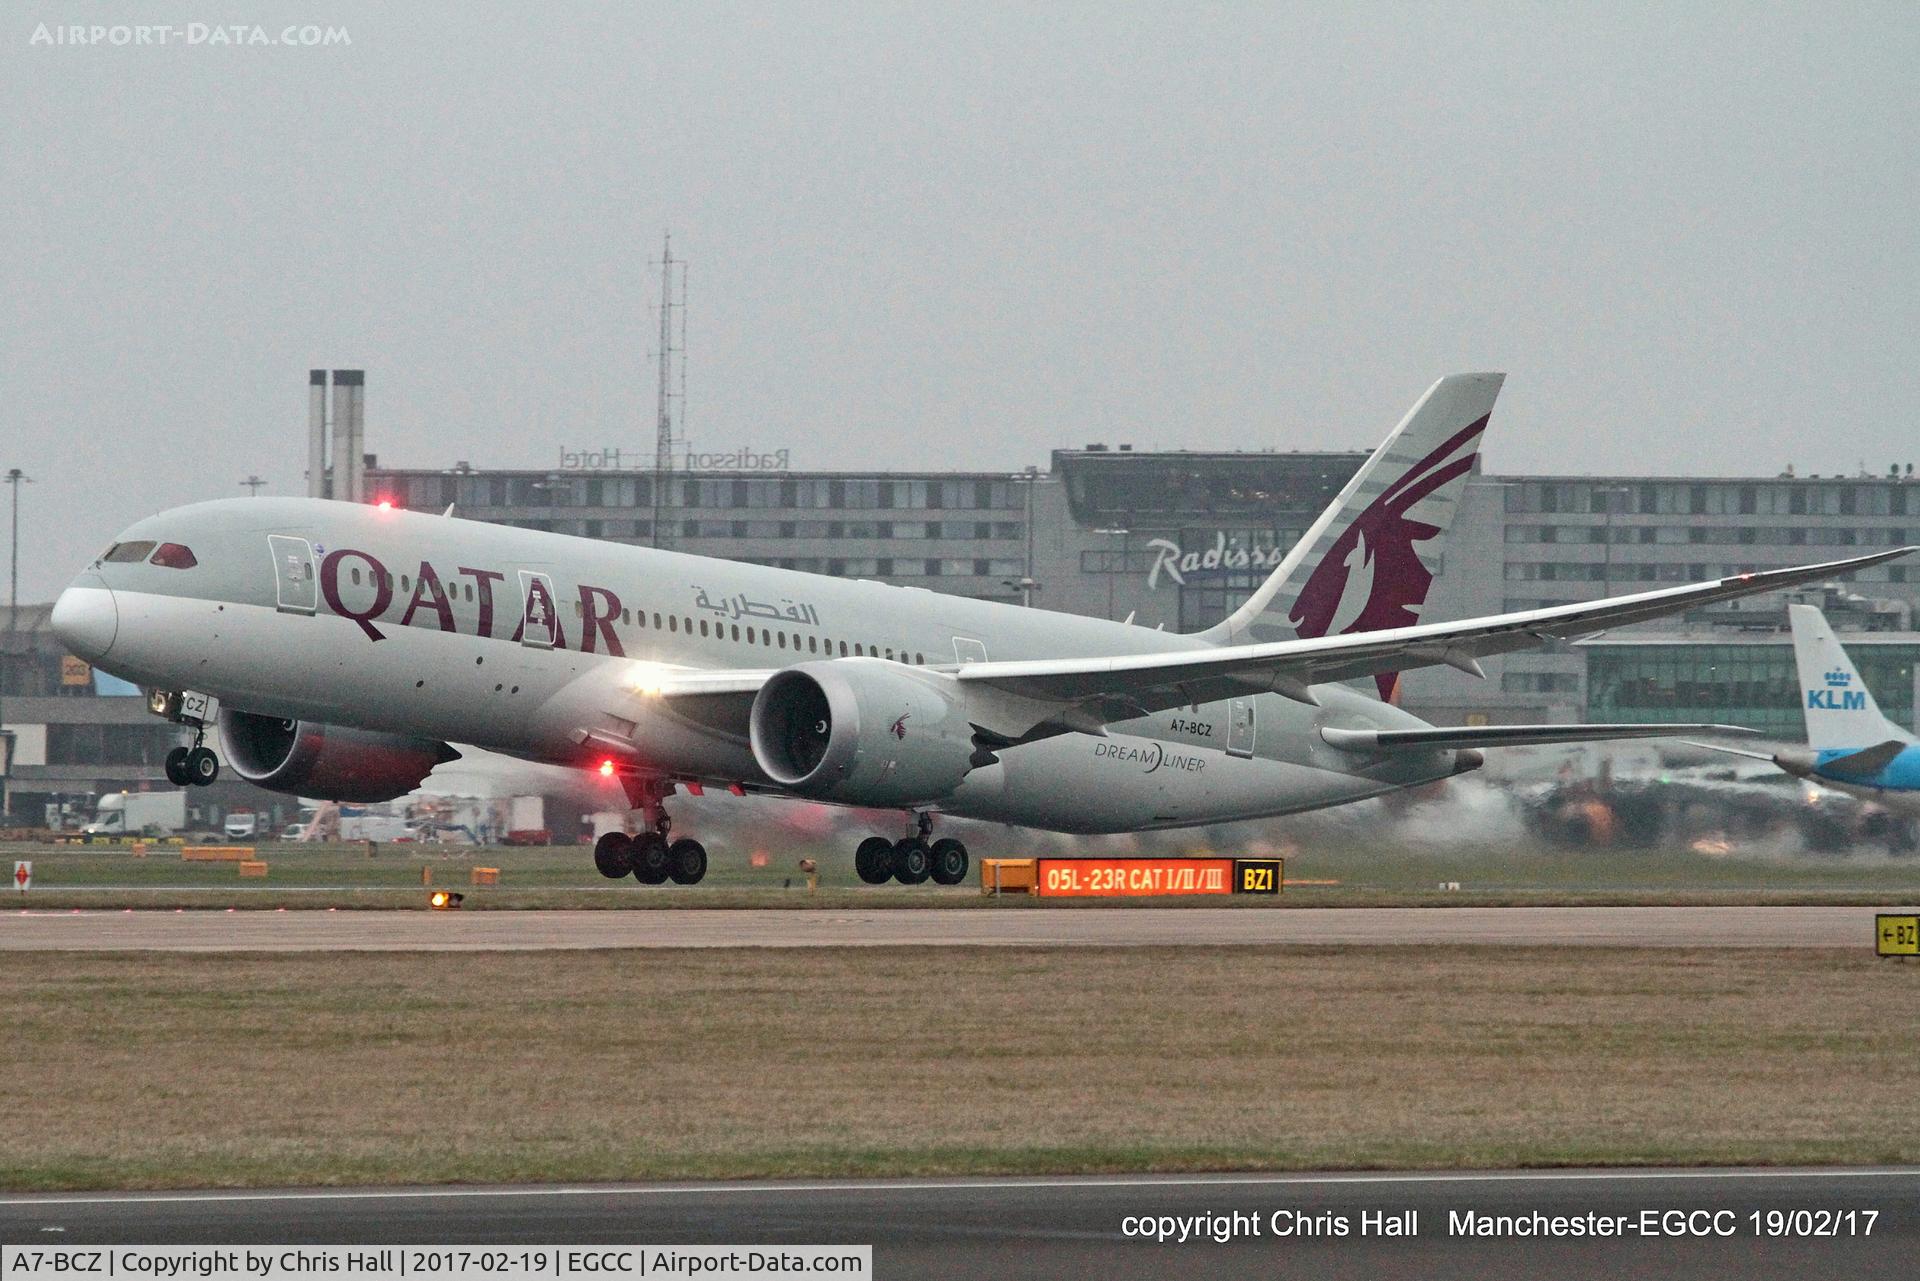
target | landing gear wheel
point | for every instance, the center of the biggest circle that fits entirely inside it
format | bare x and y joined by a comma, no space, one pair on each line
650,862
873,860
177,767
687,862
912,861
613,855
202,766
949,861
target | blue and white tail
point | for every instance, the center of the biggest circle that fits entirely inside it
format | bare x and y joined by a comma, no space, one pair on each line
1839,707
1365,565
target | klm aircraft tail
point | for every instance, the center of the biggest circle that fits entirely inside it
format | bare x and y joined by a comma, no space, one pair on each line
1839,707
1366,563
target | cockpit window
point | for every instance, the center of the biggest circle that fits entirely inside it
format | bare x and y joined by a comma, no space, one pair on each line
128,552
174,556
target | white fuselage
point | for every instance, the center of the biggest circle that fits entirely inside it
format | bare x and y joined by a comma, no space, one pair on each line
413,624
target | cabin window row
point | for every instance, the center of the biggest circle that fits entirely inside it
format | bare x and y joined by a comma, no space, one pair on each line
772,638
675,624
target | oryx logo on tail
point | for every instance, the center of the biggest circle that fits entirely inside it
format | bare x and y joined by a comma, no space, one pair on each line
1367,562
1373,577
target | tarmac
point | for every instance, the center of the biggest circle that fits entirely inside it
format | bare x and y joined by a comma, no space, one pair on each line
282,930
1671,1223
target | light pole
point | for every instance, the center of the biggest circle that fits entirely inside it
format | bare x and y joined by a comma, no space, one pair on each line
1606,501
16,478
1030,475
1112,572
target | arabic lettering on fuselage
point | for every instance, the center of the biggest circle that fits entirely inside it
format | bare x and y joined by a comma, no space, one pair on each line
739,607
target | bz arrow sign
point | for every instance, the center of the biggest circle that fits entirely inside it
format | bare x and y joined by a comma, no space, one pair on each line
22,875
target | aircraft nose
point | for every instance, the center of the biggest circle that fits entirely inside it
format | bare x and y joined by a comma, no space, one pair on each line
86,618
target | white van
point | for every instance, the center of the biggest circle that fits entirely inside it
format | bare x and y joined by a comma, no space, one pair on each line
241,826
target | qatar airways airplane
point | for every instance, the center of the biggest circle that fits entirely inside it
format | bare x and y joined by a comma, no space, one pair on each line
342,648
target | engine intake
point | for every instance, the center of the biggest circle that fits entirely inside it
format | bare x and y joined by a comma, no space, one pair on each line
861,730
327,762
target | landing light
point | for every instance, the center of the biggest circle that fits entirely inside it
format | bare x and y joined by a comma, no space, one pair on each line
444,900
646,679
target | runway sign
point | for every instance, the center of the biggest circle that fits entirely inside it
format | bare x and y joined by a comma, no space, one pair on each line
1120,878
1258,875
22,875
1140,877
1125,877
1896,935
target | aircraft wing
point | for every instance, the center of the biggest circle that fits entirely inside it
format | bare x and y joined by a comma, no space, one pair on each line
1103,690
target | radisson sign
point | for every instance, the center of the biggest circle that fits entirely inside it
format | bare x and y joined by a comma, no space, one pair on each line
613,458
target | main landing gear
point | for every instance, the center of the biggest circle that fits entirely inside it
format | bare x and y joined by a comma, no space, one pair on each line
649,857
911,860
194,766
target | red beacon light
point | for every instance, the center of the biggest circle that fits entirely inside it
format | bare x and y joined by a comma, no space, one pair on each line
385,504
606,768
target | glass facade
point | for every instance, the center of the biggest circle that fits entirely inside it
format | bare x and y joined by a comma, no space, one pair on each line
1750,685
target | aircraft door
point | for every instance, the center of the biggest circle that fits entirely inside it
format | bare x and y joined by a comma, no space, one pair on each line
296,587
1240,727
539,611
969,651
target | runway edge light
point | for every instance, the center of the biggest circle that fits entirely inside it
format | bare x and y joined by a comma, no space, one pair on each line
444,900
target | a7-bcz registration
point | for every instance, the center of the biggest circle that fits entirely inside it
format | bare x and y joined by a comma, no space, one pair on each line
394,1263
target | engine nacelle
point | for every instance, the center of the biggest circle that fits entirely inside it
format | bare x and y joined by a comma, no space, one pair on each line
326,762
861,730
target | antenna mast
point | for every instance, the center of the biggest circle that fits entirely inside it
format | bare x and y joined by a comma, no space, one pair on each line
671,400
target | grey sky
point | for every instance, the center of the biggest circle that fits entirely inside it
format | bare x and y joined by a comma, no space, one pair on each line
954,235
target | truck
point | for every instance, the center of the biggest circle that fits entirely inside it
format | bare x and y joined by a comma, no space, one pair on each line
138,814
374,827
526,822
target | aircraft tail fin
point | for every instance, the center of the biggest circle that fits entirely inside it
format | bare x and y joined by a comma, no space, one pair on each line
1366,563
1839,707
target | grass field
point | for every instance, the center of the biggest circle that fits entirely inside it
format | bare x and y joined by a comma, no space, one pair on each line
160,1070
563,876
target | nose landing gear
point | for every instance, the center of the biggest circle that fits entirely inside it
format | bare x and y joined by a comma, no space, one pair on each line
194,766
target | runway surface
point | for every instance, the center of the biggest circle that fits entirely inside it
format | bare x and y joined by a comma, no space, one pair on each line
1074,1226
298,931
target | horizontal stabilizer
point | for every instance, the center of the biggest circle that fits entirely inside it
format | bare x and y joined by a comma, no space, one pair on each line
1866,761
1388,740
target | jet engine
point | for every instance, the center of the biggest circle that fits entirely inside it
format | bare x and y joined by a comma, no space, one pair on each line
864,731
326,762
